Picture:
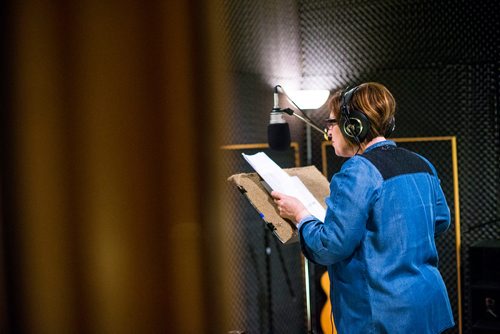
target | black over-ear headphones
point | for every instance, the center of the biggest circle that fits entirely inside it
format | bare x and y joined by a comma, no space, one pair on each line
390,128
354,124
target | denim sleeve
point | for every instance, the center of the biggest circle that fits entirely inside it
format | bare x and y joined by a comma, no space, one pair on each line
442,217
352,193
441,211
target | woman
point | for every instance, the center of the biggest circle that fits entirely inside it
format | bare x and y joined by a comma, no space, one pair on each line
377,239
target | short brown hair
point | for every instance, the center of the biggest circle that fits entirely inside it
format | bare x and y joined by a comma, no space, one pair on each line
375,101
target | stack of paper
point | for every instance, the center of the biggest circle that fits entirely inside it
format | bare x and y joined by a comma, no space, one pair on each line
280,181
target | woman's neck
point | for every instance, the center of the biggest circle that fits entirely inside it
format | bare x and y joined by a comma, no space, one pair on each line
375,140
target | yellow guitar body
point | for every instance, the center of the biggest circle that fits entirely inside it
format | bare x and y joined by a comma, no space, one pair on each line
326,317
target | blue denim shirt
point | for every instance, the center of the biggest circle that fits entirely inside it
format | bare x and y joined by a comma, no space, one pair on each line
377,240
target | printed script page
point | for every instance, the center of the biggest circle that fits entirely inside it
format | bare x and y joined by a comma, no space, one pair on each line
280,181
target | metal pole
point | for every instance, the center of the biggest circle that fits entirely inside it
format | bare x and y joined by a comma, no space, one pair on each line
308,296
308,145
306,261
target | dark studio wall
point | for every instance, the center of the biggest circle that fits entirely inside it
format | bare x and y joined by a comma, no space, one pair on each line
441,60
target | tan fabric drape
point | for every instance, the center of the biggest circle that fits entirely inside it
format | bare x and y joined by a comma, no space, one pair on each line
115,120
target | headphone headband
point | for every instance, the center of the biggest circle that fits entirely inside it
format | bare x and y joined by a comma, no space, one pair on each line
347,95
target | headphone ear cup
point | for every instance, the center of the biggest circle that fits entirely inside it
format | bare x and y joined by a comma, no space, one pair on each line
356,127
390,128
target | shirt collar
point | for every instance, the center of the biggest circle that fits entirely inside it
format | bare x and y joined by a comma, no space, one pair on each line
379,144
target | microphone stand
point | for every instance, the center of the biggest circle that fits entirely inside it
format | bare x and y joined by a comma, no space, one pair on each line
310,124
304,119
307,282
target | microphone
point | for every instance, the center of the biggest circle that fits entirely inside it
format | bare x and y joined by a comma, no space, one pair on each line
278,131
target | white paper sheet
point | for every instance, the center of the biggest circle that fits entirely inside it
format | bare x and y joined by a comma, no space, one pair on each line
280,181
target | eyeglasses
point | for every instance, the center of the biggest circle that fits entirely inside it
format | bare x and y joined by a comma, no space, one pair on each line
330,122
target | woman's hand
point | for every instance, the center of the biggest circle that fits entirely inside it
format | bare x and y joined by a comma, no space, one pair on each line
289,207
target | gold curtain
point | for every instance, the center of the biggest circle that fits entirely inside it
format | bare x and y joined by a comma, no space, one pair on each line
115,122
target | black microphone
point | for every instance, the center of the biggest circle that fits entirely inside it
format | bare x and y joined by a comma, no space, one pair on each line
278,131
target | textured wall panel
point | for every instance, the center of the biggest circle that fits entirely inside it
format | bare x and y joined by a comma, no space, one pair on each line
265,51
